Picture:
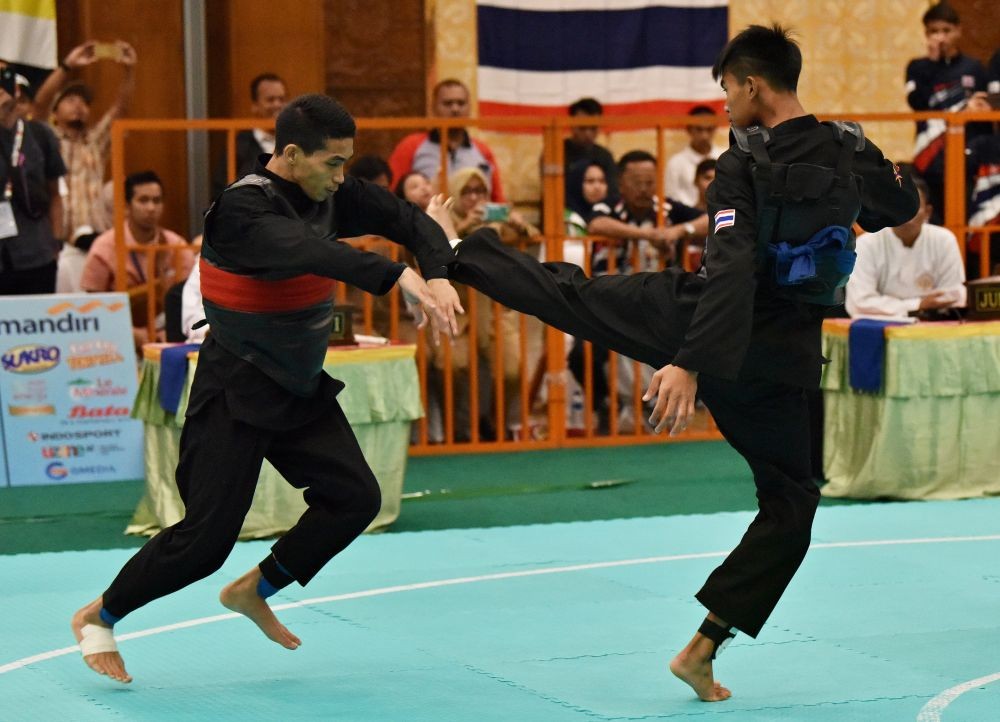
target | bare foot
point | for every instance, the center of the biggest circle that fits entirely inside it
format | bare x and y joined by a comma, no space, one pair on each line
109,664
693,665
241,596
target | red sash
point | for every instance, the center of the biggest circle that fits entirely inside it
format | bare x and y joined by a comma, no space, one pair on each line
242,293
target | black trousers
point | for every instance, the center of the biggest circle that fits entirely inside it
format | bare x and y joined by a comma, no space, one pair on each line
220,461
38,280
766,422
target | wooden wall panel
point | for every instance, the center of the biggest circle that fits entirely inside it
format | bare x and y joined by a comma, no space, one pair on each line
159,42
980,27
376,63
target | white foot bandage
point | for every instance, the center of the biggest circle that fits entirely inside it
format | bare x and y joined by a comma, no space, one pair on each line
97,639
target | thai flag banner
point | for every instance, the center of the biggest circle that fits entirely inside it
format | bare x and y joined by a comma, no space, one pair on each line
636,57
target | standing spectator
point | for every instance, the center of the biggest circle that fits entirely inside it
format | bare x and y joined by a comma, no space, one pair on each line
30,209
678,183
372,168
144,196
912,268
582,144
85,147
268,96
422,151
944,80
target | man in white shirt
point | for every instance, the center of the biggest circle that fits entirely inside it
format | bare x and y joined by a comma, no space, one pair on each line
907,269
679,180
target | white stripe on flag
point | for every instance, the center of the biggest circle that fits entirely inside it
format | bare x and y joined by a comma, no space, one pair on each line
530,87
564,5
28,40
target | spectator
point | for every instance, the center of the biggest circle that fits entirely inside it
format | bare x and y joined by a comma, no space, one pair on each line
586,187
25,98
912,268
415,188
944,80
192,306
679,180
581,144
983,177
31,216
373,169
704,174
633,219
422,151
85,147
268,96
144,199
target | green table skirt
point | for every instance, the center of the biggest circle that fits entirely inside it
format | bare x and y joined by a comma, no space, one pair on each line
934,430
381,399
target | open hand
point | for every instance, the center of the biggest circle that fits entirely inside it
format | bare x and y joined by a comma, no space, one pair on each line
419,297
446,298
674,389
439,209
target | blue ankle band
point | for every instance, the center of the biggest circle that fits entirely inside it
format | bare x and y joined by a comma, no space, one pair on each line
265,589
108,618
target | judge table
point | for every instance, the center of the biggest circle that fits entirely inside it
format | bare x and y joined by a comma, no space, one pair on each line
933,429
380,400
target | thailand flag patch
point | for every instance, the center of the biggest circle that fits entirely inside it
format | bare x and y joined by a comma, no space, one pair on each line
724,219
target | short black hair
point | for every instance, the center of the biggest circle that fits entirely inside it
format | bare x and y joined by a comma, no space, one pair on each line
635,156
702,110
263,78
141,178
705,166
370,167
767,52
586,106
309,121
448,83
943,12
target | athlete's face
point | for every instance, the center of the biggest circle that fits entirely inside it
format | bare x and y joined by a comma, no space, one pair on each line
739,100
320,174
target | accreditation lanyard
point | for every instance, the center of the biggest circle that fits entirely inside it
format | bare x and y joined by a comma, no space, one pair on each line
15,159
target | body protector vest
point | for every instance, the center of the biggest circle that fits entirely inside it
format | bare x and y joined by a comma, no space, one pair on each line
280,325
805,214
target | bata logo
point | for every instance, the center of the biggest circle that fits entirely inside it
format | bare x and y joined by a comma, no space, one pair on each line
56,470
100,412
31,358
98,388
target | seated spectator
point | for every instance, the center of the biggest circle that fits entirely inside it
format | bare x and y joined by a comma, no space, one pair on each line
678,183
268,96
373,169
943,80
84,146
29,249
422,151
415,188
912,268
704,174
633,219
581,144
72,259
983,185
144,196
192,308
586,186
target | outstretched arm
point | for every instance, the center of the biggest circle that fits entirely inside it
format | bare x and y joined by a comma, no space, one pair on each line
80,56
127,58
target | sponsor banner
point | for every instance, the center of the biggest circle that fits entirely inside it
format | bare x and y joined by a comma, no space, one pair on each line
68,380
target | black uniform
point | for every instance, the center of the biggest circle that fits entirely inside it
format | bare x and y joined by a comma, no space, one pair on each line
756,350
260,391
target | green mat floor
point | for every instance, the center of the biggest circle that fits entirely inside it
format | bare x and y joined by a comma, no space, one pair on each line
442,492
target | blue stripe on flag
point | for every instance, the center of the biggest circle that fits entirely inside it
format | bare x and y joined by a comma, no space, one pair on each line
600,39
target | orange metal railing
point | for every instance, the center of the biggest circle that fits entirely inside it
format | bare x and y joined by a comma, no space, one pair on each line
535,368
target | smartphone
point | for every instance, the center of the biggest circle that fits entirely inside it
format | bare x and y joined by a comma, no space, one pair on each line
107,51
496,212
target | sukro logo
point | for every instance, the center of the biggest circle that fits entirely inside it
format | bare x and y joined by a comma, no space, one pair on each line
32,358
56,470
107,412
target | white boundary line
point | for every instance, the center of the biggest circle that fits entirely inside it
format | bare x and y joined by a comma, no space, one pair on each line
931,712
25,661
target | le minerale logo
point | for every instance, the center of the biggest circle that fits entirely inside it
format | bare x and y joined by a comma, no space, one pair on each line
33,358
69,323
